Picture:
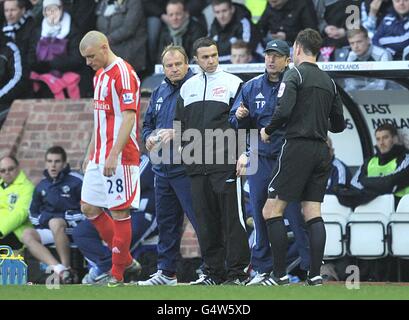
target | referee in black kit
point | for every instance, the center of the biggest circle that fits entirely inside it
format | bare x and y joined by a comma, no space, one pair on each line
309,105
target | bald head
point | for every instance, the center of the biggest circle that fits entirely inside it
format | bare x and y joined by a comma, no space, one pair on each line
94,47
93,39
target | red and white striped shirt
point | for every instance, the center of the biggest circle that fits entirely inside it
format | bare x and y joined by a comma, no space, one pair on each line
116,90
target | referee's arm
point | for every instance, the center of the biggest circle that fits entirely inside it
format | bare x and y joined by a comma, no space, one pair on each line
287,100
336,116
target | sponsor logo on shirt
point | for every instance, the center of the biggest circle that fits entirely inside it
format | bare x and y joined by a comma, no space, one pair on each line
98,105
219,92
127,98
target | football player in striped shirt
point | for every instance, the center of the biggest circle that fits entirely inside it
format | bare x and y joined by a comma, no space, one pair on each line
112,173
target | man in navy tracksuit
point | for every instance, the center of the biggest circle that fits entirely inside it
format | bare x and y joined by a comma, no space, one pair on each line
144,232
54,208
253,109
172,185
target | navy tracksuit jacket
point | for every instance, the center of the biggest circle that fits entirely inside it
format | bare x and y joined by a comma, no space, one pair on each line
172,185
259,95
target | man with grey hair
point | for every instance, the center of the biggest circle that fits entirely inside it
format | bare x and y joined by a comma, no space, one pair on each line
172,185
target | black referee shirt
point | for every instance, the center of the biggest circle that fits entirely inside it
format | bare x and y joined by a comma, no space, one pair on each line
309,104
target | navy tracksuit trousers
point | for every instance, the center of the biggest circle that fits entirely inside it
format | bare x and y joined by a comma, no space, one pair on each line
173,200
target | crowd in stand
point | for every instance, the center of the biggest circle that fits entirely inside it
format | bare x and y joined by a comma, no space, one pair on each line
39,38
39,58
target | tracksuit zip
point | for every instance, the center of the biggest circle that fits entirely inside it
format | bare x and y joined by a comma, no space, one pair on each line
203,121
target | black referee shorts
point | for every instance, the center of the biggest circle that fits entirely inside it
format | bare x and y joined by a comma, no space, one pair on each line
302,171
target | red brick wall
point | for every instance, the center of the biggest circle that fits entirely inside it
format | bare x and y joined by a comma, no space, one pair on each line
32,126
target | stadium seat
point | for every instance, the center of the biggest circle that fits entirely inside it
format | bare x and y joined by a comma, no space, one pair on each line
398,229
335,219
331,205
367,228
335,227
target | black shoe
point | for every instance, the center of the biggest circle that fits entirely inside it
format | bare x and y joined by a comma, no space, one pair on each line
205,280
69,276
275,281
132,271
316,281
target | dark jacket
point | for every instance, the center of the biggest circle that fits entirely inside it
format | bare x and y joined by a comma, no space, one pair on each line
195,30
82,13
293,17
340,177
22,38
259,95
393,34
126,31
308,99
160,115
12,74
240,28
204,103
52,198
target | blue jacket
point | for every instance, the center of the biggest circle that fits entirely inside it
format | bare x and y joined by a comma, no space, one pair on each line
160,115
393,34
340,176
259,96
52,198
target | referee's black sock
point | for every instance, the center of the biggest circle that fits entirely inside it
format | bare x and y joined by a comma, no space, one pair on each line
317,236
277,234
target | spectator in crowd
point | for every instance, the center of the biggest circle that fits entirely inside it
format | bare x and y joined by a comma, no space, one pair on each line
393,32
332,19
221,233
19,25
37,11
231,25
154,12
54,208
12,80
172,185
388,170
82,13
179,29
362,49
54,58
283,19
240,53
124,24
15,197
340,175
144,231
253,109
373,12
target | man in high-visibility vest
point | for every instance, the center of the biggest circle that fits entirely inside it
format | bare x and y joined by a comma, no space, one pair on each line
388,170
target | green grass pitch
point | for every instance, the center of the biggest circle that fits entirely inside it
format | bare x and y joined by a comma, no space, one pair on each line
184,292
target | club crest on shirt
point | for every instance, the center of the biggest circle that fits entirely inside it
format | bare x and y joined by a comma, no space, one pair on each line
127,98
219,92
281,90
13,198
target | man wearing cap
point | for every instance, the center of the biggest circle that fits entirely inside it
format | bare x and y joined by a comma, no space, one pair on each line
253,109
